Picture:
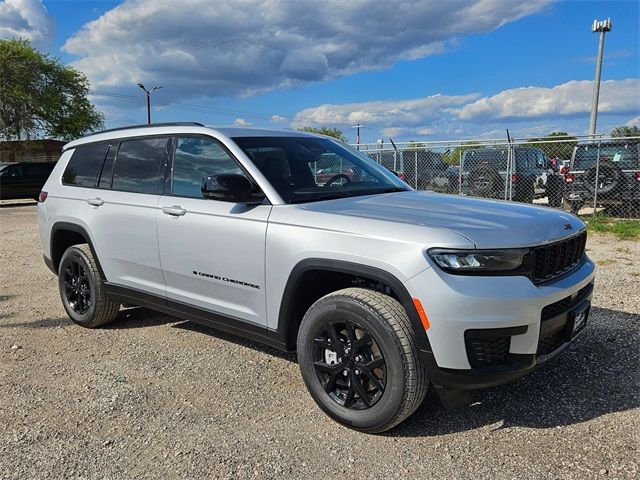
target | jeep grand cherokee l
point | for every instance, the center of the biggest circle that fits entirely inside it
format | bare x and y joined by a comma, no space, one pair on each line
382,290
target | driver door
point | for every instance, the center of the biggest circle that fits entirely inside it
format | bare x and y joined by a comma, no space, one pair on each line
212,252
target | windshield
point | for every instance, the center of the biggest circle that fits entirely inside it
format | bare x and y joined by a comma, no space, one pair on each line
525,158
305,169
625,156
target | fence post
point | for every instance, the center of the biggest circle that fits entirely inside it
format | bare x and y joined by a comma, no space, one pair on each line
460,172
415,178
595,186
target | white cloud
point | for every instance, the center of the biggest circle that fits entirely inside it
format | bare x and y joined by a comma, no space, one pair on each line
199,47
26,19
531,111
278,119
241,122
571,98
634,122
406,115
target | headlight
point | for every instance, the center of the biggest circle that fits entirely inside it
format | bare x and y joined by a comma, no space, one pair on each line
461,261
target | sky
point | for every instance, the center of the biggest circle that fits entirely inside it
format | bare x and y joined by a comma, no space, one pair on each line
407,70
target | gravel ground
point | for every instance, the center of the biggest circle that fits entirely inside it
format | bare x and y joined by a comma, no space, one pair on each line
155,396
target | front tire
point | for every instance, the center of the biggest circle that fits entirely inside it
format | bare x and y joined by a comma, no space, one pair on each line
82,289
359,360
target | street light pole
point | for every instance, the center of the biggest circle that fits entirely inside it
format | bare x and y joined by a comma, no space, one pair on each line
602,26
357,127
148,92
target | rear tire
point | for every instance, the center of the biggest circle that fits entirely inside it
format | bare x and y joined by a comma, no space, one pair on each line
346,390
82,289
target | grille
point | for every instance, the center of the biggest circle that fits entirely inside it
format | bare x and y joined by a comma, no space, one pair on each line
483,352
551,342
557,258
584,292
556,308
560,306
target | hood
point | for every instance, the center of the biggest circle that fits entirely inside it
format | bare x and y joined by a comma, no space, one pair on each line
487,223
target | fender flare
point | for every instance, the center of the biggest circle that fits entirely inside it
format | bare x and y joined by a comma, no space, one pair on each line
73,227
287,325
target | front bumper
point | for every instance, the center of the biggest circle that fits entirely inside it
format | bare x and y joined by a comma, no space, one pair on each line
510,310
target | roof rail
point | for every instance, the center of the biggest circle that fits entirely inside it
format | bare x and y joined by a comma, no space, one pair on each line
168,124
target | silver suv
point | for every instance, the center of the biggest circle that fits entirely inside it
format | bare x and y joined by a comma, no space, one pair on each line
382,290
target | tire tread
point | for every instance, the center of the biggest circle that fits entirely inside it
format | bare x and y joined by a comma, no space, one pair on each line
393,314
106,310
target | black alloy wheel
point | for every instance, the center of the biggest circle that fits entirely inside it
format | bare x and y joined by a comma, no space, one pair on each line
349,365
82,290
359,359
77,287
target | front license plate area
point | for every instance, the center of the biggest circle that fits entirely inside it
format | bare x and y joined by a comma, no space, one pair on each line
578,319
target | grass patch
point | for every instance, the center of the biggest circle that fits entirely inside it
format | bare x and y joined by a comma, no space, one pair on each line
621,228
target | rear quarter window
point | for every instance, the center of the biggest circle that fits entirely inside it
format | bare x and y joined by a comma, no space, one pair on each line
85,165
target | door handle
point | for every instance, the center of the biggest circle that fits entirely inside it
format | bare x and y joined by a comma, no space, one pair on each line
96,202
174,210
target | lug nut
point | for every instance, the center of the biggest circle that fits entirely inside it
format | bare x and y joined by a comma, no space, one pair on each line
345,373
357,372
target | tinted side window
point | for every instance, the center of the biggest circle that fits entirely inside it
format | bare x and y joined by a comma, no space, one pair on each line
13,171
139,166
85,164
196,158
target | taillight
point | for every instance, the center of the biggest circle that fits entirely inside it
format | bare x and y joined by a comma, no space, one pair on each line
514,177
568,178
42,197
564,170
637,175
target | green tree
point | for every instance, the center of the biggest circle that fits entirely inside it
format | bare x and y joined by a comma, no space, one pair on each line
331,132
452,157
626,131
41,97
561,150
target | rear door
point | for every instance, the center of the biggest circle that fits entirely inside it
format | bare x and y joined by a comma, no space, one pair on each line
123,213
212,251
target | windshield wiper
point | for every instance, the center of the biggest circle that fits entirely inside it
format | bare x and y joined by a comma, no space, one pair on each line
392,190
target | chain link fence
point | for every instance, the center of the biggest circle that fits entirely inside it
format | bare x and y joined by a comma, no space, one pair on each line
582,175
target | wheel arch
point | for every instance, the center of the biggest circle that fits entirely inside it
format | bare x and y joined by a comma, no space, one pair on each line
65,235
295,301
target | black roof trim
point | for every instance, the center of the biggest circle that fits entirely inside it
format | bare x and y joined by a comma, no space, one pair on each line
168,124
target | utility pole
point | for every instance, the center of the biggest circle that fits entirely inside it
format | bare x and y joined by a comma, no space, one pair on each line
357,127
602,26
148,92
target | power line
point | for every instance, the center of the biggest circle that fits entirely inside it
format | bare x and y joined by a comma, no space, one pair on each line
188,107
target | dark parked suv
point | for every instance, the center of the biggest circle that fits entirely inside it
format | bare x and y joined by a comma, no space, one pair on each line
23,179
485,172
609,170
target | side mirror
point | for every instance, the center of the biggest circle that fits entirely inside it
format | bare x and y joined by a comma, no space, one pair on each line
230,187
